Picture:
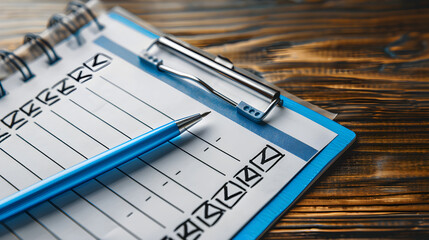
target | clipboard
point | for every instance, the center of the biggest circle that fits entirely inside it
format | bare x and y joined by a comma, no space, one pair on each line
290,193
284,200
301,182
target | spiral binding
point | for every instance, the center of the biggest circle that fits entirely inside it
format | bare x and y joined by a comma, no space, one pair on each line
74,6
2,91
44,45
73,29
19,64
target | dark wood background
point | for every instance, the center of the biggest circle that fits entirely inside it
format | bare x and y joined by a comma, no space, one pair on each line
366,60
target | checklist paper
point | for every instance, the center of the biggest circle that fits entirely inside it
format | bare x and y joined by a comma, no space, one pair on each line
206,184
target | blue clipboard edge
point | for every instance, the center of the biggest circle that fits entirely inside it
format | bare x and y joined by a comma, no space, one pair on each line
291,192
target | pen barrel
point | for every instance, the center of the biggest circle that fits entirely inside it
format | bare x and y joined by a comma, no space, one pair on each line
86,170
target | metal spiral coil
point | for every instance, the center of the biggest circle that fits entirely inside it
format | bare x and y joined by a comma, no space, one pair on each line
43,45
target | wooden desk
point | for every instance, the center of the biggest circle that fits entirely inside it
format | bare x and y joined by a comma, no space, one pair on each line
366,60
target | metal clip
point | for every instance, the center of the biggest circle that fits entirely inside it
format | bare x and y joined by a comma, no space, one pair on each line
219,64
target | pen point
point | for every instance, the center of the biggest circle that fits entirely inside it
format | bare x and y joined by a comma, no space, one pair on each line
205,114
188,122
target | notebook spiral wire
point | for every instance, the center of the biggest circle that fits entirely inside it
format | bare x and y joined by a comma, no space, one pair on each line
44,46
59,18
75,6
79,11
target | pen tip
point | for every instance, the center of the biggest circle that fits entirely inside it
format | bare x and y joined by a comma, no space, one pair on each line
205,114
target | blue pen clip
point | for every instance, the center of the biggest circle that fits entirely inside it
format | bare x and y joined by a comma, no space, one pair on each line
219,64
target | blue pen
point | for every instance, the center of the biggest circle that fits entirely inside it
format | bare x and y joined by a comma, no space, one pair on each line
93,167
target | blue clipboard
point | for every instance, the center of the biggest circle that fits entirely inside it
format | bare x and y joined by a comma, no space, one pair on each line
268,215
304,179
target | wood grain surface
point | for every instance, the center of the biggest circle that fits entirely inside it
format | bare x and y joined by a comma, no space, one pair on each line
366,60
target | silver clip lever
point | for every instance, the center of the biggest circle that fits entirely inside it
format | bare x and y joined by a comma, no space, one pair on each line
243,108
